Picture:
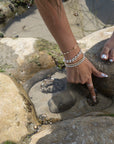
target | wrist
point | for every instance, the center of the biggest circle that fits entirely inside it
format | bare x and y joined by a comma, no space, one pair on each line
74,58
70,53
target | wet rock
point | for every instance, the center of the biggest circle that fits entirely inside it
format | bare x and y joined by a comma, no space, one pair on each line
1,35
8,10
74,97
106,85
16,111
2,18
77,131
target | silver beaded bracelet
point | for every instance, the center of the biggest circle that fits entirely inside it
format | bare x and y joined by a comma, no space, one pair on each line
75,64
73,59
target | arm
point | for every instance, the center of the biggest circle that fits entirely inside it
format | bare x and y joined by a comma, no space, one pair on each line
55,18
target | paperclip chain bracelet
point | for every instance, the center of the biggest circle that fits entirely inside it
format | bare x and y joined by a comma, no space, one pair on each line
69,50
75,64
73,59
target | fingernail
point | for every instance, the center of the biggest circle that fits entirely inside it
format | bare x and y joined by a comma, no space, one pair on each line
111,60
104,75
103,56
94,98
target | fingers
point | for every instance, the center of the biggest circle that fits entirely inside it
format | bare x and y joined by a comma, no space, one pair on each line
91,89
98,73
105,53
111,55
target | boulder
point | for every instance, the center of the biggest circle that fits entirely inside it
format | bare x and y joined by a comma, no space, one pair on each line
17,115
54,88
87,16
106,85
45,88
82,130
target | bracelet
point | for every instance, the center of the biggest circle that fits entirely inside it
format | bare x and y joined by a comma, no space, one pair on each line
73,59
69,50
75,64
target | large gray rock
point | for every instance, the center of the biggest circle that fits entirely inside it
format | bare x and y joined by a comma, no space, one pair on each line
47,89
106,85
83,130
81,107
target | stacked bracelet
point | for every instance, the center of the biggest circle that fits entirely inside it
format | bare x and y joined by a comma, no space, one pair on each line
73,59
75,64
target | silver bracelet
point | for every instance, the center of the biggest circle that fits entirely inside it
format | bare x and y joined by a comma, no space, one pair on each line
73,59
75,64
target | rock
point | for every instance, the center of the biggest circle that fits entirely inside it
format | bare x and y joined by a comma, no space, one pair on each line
43,105
1,35
106,85
84,17
93,43
89,41
2,18
34,87
8,9
23,57
86,130
17,115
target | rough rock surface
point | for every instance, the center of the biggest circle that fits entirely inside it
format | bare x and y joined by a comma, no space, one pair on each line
40,99
10,9
89,41
23,57
106,85
87,16
84,17
83,130
81,103
17,115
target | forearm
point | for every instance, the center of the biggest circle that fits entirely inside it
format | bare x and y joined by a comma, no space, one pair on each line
55,18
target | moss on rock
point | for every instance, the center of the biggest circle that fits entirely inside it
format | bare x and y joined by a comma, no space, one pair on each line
51,49
23,3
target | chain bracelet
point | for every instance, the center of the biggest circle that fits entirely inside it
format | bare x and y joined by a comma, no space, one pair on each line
69,50
73,59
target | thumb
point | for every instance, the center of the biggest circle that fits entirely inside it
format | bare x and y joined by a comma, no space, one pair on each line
99,74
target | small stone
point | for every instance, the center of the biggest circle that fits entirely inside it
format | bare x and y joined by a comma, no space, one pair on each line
1,35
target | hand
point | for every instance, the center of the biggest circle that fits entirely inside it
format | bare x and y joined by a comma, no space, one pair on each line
108,50
82,74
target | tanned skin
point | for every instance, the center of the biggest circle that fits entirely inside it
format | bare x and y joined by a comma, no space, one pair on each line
52,11
108,50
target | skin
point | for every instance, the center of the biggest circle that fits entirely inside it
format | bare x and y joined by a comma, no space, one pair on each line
108,50
52,11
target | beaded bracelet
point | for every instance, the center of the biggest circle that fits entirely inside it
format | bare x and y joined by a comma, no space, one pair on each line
75,64
73,59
